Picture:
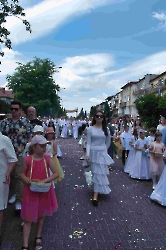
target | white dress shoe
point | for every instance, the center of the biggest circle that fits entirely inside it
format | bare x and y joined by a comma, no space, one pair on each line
18,206
12,199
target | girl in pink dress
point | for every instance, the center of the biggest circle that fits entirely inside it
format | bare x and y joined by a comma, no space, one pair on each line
156,150
37,205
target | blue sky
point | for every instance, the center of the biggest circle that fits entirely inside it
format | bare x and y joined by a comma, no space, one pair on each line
101,45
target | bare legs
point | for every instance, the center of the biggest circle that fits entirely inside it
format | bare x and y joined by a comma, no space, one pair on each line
95,196
27,230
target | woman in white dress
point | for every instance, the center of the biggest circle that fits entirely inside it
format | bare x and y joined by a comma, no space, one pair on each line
7,163
98,141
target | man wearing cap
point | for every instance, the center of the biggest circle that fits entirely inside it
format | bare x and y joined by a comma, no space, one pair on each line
31,114
18,129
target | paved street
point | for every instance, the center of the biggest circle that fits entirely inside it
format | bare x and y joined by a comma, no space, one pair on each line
125,219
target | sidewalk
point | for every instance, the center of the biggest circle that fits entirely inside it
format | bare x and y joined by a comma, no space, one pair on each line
124,219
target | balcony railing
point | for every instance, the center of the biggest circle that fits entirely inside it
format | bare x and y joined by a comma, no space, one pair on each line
157,86
138,91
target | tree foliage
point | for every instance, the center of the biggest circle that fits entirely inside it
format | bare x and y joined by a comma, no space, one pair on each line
148,109
33,84
10,9
4,107
92,111
81,114
107,110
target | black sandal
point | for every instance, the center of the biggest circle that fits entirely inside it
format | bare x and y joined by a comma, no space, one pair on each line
38,244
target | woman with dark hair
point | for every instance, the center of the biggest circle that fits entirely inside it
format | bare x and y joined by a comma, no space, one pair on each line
98,141
51,124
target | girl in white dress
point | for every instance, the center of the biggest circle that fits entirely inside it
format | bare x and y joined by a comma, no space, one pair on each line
131,156
8,160
140,168
98,141
159,194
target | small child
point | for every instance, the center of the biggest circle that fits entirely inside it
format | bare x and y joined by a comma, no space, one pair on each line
140,168
125,137
50,136
37,205
159,193
37,130
131,156
156,151
151,137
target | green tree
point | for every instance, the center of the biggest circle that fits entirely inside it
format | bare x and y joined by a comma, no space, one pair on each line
107,110
33,84
81,114
92,111
162,105
148,109
4,107
10,9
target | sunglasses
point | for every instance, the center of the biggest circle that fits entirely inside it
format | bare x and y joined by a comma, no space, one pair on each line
15,109
99,116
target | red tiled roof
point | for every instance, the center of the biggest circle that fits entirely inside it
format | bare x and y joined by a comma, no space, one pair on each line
129,83
6,93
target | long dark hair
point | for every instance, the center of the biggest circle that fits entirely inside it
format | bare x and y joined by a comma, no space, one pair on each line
104,123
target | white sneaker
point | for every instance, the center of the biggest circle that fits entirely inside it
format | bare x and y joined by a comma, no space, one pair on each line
154,186
82,158
18,206
12,199
117,157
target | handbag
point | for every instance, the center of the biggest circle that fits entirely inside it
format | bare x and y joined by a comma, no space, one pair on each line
157,154
38,185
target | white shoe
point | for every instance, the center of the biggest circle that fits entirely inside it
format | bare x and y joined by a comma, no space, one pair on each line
154,186
18,206
82,158
12,199
117,157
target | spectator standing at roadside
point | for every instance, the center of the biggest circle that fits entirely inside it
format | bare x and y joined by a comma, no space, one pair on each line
31,115
18,129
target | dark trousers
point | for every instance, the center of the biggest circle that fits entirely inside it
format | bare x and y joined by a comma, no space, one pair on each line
124,153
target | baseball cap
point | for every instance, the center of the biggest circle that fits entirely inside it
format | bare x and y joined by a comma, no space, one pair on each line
38,128
39,139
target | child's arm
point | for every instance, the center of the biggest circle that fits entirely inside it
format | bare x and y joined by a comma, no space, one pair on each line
23,175
55,148
54,170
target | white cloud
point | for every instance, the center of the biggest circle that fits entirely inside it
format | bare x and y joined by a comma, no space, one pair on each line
160,16
9,61
95,100
79,80
48,15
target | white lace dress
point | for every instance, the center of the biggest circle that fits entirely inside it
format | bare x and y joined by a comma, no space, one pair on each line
97,145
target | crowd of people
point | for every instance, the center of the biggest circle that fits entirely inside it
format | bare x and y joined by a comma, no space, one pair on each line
30,166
